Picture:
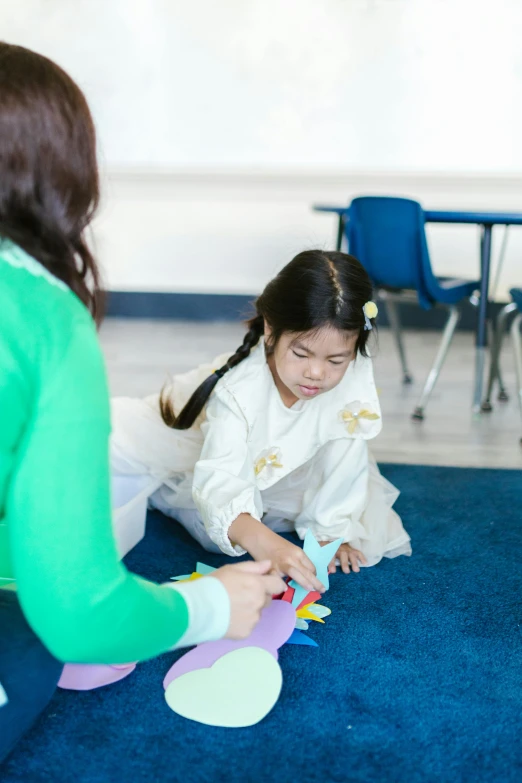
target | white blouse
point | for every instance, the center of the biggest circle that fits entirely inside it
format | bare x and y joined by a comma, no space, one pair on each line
253,443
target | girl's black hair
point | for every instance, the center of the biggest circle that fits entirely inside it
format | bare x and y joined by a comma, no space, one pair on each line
316,289
49,186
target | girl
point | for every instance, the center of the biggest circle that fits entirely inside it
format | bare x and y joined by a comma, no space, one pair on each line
74,600
274,437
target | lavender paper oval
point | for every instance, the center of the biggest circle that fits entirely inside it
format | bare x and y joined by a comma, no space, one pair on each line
273,629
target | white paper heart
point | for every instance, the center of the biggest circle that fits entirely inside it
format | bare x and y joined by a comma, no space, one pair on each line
240,689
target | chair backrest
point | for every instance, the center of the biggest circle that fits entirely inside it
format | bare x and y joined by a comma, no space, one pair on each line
387,236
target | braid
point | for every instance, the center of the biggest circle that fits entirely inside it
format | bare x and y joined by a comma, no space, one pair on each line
250,340
339,293
199,398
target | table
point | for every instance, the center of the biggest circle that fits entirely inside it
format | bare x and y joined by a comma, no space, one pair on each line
484,219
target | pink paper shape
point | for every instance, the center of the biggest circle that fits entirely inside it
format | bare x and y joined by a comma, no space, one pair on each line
272,631
86,677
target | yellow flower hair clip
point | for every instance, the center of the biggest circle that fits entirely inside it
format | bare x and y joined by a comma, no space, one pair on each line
370,310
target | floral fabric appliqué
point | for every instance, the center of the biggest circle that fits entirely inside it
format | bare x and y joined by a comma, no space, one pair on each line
355,415
268,462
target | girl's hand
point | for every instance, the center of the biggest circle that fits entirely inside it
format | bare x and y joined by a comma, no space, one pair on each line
250,587
263,544
348,556
290,560
287,560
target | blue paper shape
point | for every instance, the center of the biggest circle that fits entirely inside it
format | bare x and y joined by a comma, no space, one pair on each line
320,556
182,578
298,637
203,569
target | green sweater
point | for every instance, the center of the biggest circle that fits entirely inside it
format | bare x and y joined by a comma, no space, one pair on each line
55,514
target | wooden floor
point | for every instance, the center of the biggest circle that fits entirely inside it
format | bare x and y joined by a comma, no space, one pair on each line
141,354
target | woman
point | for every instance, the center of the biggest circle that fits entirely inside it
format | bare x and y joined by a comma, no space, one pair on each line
74,601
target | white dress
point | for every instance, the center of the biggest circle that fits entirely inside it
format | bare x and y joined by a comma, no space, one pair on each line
304,467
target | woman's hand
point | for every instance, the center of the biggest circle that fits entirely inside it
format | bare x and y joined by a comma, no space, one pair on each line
250,587
348,557
263,544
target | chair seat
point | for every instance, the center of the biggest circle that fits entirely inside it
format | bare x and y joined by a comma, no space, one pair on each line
452,290
516,295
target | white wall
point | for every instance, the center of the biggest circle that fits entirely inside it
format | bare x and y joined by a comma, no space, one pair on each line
220,123
229,232
379,84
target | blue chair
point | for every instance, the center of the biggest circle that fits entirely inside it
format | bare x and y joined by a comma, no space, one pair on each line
515,306
388,236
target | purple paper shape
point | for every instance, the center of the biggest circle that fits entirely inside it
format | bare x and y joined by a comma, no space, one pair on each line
86,677
273,629
298,637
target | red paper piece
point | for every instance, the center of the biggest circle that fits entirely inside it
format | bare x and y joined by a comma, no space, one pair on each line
311,598
288,595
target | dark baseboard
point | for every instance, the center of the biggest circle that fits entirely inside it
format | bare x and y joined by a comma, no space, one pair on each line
235,307
179,307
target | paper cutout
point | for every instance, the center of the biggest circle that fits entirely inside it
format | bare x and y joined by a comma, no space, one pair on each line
239,690
301,624
274,628
288,595
204,570
320,556
306,614
86,677
310,598
300,638
319,610
187,577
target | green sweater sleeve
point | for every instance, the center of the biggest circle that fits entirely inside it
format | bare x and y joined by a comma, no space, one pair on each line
77,596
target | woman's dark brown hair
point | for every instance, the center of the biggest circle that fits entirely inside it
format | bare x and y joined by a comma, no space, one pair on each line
49,187
316,289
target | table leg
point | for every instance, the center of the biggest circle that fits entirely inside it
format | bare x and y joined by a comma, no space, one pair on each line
340,233
481,339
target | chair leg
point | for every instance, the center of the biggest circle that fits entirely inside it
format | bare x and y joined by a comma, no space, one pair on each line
517,349
447,336
393,317
496,347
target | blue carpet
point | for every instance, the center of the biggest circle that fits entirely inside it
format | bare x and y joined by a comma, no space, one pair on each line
418,676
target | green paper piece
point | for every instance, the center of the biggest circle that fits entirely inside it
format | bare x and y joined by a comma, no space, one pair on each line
201,568
239,690
301,624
